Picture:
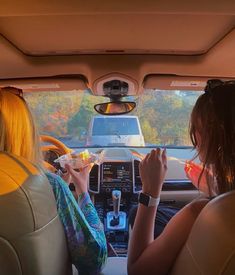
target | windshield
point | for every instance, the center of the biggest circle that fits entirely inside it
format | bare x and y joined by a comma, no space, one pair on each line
160,118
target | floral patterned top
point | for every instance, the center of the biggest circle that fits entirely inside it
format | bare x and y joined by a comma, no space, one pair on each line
83,228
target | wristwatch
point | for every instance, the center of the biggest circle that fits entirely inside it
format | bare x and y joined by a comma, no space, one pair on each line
147,200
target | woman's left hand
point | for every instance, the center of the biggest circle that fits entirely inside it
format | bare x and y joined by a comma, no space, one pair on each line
152,172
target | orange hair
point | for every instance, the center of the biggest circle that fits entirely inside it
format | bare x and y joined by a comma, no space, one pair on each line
18,134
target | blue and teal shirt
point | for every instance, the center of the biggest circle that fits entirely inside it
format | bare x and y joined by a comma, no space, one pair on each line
83,228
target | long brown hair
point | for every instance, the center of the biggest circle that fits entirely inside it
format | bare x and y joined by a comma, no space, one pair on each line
213,119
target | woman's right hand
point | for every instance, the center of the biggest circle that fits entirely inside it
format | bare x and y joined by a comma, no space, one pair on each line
194,171
152,172
79,179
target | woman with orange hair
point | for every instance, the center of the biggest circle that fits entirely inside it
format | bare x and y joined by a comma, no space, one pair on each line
83,229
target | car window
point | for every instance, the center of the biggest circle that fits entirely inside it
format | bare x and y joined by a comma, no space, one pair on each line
163,116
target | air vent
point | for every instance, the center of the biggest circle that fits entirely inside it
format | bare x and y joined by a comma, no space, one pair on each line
138,183
94,179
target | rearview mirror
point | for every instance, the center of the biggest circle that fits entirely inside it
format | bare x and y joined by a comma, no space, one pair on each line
115,108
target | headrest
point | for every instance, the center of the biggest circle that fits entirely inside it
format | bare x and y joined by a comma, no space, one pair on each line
26,197
14,172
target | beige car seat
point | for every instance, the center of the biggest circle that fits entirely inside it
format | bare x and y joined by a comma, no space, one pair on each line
210,248
32,240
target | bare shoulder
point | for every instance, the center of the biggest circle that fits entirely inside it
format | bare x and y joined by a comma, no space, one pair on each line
196,206
188,214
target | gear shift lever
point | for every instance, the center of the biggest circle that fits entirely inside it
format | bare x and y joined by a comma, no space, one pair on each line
116,197
116,219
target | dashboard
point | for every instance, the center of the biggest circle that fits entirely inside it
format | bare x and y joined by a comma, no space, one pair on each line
119,170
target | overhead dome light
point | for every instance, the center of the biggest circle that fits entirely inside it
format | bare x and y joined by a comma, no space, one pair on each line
115,88
115,84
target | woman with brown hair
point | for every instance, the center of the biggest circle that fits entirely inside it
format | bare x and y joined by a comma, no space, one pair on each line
212,131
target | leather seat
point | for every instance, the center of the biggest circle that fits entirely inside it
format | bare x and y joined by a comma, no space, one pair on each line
210,248
32,239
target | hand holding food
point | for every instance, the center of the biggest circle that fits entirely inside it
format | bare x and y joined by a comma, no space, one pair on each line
79,179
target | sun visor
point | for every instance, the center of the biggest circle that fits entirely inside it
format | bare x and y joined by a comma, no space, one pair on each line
55,83
174,82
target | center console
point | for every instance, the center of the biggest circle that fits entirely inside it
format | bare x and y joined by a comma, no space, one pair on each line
112,183
113,210
116,175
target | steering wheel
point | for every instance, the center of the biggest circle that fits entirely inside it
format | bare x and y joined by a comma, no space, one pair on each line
55,145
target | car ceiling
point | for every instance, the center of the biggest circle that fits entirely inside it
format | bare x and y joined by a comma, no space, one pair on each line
134,38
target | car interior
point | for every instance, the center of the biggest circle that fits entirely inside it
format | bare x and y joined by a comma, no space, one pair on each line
116,79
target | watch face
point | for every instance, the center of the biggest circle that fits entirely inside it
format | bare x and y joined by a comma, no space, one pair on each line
144,199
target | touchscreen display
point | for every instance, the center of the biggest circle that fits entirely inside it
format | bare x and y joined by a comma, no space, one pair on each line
117,172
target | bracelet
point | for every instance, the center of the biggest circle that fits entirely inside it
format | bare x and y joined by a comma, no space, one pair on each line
157,201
